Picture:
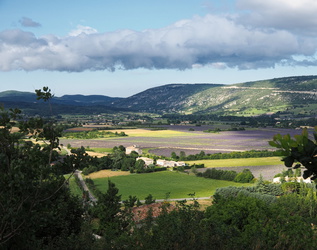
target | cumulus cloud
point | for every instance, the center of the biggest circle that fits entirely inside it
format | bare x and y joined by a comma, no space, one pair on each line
293,15
218,41
82,30
28,22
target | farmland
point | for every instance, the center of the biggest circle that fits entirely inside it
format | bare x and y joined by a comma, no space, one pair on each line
238,162
159,184
179,138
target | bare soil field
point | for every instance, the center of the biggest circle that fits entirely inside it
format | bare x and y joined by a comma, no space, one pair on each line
95,154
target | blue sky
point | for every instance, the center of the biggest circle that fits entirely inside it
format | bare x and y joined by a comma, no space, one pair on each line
120,48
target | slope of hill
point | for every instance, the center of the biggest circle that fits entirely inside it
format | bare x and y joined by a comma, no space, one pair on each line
67,104
250,98
258,97
298,94
17,96
171,97
86,99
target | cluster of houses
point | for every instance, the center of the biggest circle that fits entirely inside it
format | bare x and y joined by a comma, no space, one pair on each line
149,161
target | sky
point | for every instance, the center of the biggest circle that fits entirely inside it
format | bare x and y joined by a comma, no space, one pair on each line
120,48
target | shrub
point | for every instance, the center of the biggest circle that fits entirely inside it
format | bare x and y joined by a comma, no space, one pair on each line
244,177
219,174
290,187
231,192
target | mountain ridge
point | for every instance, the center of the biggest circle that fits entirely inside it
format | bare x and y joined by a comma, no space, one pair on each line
249,98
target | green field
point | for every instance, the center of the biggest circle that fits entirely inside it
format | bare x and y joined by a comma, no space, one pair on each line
160,183
74,188
242,162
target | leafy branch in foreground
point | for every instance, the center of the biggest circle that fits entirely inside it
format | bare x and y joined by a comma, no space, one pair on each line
298,151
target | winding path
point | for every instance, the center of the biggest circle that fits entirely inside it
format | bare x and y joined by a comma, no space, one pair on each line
92,198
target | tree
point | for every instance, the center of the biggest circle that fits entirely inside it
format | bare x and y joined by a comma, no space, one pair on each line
174,156
36,207
182,155
113,222
139,166
149,199
297,152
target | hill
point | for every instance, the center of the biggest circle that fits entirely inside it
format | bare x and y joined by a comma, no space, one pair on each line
250,98
296,95
170,97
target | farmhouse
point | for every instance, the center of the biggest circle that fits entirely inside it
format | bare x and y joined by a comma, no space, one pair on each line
135,148
147,161
165,163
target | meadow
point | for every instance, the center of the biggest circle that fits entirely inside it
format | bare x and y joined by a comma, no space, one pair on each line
243,162
74,188
158,184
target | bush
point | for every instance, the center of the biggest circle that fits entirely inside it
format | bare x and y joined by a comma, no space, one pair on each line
232,192
244,177
219,174
290,187
89,170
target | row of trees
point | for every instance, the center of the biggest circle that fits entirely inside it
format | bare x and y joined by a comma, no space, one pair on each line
94,134
245,176
232,155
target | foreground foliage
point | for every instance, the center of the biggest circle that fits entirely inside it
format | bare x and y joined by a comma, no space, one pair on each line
36,206
298,151
37,210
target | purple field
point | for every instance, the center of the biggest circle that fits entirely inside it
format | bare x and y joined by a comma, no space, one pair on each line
193,142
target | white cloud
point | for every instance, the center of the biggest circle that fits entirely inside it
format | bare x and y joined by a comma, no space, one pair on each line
82,30
216,41
293,15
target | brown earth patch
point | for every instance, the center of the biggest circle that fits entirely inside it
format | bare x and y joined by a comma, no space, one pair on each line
107,173
91,153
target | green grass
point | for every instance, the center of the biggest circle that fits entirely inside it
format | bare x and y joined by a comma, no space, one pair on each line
74,188
160,183
242,162
146,150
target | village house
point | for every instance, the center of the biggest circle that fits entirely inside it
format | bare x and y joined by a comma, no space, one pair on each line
135,148
147,161
165,163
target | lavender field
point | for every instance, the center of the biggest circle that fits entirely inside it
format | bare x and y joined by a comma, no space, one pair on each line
191,142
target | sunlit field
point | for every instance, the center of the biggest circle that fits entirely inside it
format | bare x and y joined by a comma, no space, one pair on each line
107,173
152,133
243,162
160,183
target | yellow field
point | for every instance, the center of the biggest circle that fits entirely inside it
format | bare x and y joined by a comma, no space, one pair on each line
107,173
95,154
243,162
150,133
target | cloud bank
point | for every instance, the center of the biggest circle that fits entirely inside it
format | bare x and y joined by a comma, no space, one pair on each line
262,35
